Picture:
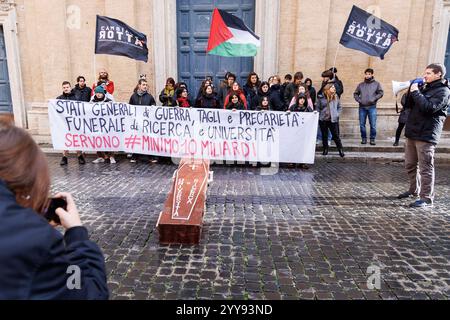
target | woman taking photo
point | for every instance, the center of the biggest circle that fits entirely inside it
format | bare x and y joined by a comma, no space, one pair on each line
36,261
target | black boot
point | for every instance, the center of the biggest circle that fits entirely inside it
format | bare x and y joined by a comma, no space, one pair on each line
63,161
396,143
341,152
81,159
325,151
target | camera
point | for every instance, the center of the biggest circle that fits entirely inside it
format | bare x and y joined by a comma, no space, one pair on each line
50,211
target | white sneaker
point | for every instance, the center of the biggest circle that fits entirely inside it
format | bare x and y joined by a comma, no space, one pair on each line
130,155
112,160
99,160
133,161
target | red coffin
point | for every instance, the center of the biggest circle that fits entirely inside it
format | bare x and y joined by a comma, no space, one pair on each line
181,220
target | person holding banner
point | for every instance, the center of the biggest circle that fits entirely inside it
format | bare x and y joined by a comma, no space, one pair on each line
82,91
292,88
329,106
236,90
69,94
225,88
167,96
100,97
141,97
235,103
429,104
183,100
208,99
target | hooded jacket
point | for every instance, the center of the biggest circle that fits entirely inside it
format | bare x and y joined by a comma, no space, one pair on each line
429,108
35,257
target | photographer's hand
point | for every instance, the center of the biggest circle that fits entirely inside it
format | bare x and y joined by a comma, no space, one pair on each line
70,218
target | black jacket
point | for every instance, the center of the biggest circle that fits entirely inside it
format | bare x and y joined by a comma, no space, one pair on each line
144,100
82,94
256,100
35,257
276,98
208,101
290,91
428,112
166,100
71,96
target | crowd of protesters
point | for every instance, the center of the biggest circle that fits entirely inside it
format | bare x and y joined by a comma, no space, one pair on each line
295,94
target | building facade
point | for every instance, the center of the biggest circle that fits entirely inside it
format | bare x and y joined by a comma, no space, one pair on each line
44,42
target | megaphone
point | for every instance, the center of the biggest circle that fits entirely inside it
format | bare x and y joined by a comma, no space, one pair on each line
399,86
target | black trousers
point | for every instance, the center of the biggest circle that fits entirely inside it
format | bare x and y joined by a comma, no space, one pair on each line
399,131
324,126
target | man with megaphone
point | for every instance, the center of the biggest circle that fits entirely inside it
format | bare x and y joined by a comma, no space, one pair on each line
428,105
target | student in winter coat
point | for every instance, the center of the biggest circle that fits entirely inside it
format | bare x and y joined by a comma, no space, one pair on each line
292,88
276,97
329,106
264,104
236,89
311,90
235,102
302,90
301,104
263,91
367,95
37,262
225,87
100,97
208,100
103,76
201,90
69,94
167,96
142,97
251,87
82,91
183,100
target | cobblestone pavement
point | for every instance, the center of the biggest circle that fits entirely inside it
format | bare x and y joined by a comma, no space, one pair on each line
294,235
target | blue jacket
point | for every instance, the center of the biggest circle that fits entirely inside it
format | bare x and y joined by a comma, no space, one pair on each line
35,257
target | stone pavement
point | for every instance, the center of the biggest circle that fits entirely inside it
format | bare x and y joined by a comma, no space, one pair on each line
298,234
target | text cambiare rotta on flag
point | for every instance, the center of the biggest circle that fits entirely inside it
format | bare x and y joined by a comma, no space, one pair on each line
117,38
230,37
368,33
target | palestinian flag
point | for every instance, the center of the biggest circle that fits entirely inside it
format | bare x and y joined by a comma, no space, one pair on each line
230,37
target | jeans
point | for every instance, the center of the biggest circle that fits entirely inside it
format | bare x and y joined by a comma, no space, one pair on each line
370,112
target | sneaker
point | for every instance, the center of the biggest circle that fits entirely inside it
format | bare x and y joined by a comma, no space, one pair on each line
406,194
130,155
364,141
154,161
63,161
112,160
132,160
81,160
421,204
372,142
99,160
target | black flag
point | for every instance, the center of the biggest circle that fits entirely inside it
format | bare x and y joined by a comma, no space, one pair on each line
367,33
117,38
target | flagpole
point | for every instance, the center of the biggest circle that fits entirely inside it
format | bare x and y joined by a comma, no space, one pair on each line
95,67
335,57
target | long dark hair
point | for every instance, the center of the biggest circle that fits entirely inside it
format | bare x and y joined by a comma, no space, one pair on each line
23,167
249,82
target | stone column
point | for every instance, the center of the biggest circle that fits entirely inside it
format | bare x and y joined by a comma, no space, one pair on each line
267,27
165,41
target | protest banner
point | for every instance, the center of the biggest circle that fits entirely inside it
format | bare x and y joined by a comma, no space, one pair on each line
213,134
